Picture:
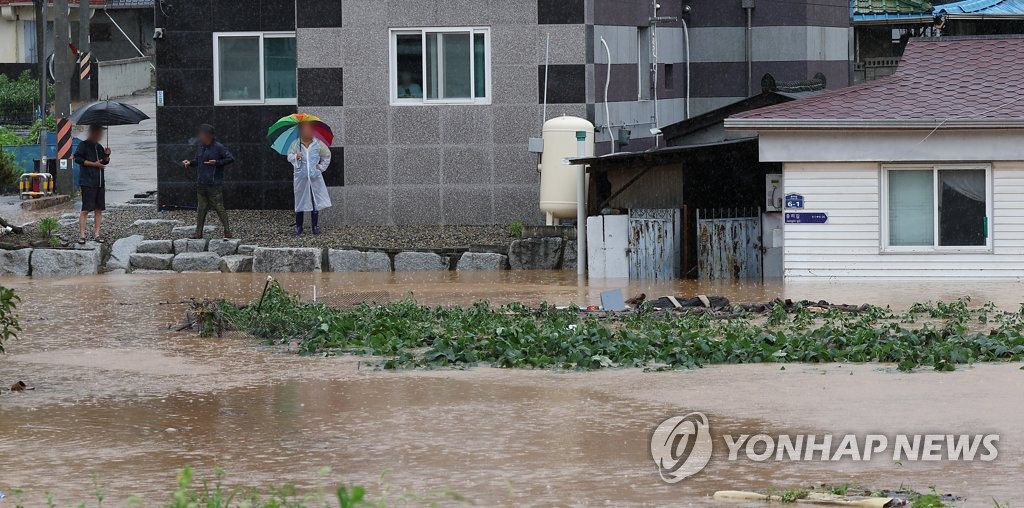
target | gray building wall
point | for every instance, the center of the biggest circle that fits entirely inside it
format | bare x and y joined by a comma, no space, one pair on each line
469,164
793,41
441,164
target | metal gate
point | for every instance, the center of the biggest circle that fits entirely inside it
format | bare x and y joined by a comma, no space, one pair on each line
729,244
654,244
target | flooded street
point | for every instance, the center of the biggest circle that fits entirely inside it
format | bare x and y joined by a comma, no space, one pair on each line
119,396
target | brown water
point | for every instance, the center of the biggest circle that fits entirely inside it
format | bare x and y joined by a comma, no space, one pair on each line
120,396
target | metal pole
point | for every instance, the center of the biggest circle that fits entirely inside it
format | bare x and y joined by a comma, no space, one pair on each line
43,83
61,59
581,205
84,87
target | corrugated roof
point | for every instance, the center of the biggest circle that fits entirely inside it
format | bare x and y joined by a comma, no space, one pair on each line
982,8
891,11
74,3
130,4
948,82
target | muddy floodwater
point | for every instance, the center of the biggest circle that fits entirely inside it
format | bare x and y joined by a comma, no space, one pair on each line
121,397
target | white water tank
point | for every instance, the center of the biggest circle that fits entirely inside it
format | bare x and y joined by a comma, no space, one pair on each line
557,179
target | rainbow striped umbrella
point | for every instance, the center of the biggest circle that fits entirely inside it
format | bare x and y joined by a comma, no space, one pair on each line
285,131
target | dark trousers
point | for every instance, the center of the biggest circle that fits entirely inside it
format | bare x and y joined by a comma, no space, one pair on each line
211,197
314,215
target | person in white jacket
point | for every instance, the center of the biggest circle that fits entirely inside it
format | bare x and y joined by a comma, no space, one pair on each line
310,157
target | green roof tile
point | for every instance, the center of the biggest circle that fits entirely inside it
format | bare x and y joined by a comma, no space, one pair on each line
892,7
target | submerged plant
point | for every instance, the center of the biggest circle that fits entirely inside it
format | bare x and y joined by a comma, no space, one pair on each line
9,325
406,334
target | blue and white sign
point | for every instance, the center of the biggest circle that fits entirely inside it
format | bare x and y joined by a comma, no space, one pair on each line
794,200
806,218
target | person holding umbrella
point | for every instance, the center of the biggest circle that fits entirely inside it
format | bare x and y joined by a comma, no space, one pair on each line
305,139
209,161
93,158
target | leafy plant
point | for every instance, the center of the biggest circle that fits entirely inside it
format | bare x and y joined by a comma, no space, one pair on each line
48,227
9,170
406,334
515,228
19,97
9,325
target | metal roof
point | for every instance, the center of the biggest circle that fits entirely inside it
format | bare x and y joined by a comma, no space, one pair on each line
130,4
891,11
979,9
943,82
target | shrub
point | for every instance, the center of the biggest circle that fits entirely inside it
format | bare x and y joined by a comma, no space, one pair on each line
9,326
9,170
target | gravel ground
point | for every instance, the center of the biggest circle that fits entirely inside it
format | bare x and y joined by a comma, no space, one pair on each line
272,228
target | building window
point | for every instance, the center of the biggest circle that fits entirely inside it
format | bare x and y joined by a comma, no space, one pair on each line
441,65
254,68
936,208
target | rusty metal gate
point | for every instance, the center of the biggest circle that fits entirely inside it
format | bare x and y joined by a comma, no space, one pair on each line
654,244
729,244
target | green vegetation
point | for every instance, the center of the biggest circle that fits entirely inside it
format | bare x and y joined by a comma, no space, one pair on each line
214,493
48,227
9,171
516,228
19,97
407,335
9,325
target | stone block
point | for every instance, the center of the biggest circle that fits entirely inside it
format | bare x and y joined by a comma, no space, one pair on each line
151,261
420,262
65,262
358,261
156,247
223,247
196,262
183,245
535,254
482,262
15,262
188,231
287,260
246,249
122,250
236,263
168,223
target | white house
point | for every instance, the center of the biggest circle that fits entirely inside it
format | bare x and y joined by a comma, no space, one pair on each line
920,174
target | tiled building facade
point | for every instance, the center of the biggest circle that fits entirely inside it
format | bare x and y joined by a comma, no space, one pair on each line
433,101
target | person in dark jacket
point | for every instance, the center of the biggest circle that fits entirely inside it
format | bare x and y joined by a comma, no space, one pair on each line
92,158
209,161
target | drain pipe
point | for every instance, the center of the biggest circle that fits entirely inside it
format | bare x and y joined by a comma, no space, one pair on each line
748,5
607,81
654,70
581,205
686,44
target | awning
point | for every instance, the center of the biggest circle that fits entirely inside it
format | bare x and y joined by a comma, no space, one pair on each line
656,156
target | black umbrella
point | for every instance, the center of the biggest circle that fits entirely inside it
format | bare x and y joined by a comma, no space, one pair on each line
108,113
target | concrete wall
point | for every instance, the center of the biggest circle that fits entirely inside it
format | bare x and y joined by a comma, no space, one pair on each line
119,78
440,164
107,42
790,40
259,179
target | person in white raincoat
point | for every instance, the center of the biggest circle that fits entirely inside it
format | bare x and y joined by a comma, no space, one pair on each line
310,157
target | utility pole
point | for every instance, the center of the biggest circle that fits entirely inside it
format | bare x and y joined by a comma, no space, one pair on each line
61,59
41,60
84,88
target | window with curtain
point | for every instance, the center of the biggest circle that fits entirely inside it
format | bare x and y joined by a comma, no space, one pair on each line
255,68
440,66
938,207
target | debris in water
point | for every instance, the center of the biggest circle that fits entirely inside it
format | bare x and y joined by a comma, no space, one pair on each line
20,386
638,299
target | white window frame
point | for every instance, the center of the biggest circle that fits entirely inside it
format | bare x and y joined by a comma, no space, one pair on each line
935,248
263,100
423,32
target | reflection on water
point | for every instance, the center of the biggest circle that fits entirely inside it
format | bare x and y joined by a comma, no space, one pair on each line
121,396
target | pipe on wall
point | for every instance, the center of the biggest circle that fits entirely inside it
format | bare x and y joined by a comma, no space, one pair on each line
748,5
